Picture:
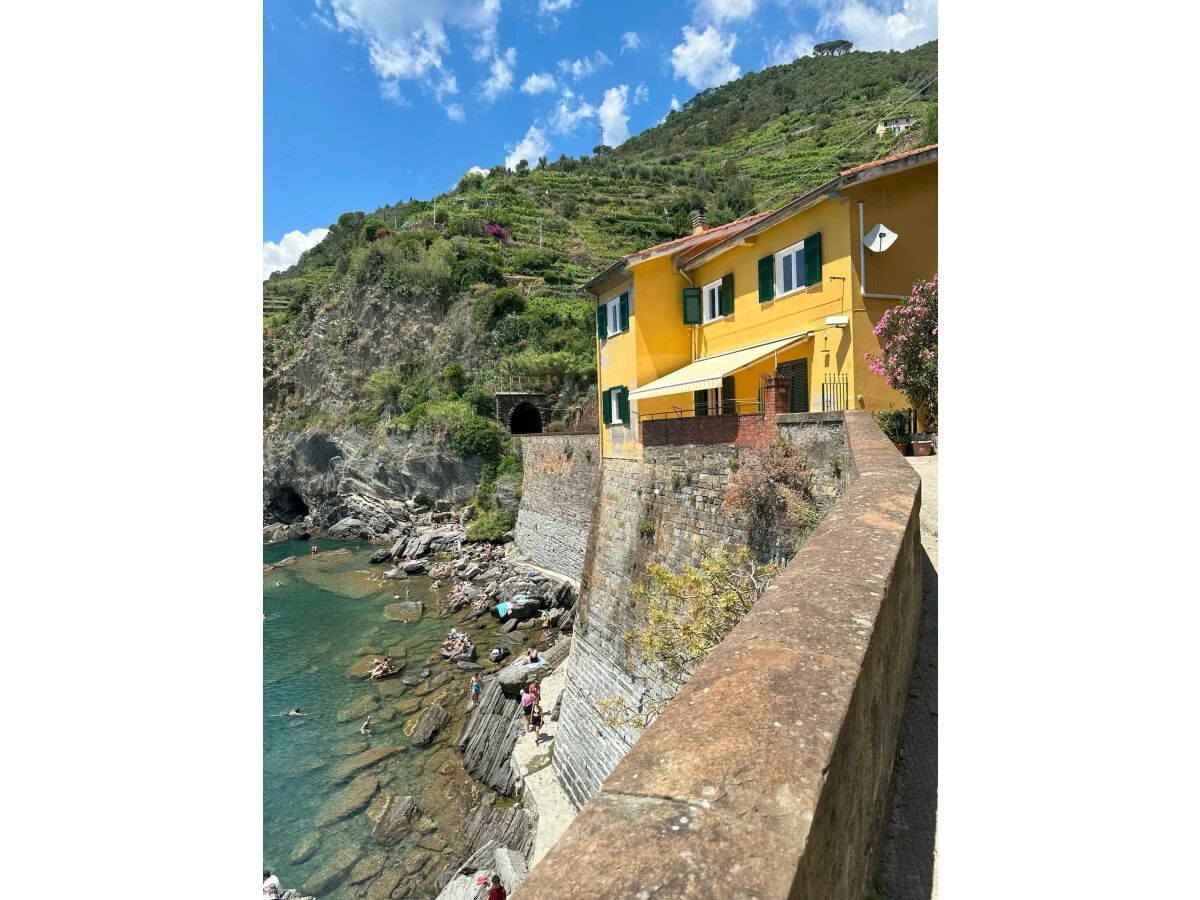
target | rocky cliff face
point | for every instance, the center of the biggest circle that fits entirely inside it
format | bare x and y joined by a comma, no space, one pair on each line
314,477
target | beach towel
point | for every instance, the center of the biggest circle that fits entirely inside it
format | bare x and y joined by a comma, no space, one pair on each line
502,609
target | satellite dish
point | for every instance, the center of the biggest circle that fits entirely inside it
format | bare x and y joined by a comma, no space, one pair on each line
879,238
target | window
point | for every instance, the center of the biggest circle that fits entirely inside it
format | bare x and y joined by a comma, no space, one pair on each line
712,301
614,316
789,269
615,405
614,398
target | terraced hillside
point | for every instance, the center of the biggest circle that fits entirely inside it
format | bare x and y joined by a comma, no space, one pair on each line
401,322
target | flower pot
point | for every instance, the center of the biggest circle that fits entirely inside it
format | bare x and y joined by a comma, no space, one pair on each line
922,448
904,447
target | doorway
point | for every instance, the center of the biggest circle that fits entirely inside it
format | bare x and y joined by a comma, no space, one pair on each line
796,376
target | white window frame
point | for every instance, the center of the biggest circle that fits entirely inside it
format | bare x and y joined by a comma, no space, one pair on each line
795,253
614,316
614,401
705,318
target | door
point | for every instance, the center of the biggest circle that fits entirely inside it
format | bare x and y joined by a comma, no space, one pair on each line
796,374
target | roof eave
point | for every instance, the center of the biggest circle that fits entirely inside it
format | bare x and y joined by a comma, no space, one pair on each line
606,278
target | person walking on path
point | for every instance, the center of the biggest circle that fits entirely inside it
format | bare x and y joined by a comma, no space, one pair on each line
536,721
527,709
476,687
497,891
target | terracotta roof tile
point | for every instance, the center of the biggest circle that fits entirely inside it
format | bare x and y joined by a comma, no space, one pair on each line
888,159
720,231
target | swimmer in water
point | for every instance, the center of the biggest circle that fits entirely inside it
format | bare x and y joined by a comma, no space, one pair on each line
366,726
294,712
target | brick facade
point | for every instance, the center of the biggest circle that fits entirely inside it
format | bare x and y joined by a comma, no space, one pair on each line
749,428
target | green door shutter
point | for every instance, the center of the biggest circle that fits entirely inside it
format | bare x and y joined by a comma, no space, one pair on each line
606,405
700,402
728,401
766,278
691,306
602,321
812,259
624,305
727,295
623,404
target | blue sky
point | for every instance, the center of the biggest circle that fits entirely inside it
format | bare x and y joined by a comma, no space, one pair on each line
367,102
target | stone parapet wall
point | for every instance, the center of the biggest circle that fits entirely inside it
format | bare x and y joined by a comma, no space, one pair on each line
558,500
767,775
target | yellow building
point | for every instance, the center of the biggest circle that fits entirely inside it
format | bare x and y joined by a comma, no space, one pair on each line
692,327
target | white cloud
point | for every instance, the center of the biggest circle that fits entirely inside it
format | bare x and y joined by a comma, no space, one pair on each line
703,59
584,66
406,40
564,119
630,41
613,117
501,78
882,24
476,170
455,113
641,95
529,148
719,11
674,102
277,257
539,83
783,52
553,6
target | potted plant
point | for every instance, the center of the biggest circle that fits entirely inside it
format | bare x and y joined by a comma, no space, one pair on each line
894,423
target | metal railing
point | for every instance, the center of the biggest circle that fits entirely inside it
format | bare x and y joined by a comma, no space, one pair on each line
731,407
835,393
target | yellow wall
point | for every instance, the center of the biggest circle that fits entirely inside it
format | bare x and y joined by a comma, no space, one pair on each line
907,203
658,342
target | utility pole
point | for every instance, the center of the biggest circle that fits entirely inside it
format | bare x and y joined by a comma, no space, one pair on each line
435,209
539,232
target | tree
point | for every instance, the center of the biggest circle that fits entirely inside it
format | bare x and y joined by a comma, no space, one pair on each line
832,48
931,117
541,162
908,339
522,167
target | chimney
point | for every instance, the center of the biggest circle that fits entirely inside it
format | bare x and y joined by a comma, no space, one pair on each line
699,222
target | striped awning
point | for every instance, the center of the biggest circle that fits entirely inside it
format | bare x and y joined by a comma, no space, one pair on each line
708,372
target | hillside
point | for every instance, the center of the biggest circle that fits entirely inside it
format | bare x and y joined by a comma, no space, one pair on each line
395,331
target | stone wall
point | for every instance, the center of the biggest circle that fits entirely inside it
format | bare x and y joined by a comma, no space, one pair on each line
558,500
767,775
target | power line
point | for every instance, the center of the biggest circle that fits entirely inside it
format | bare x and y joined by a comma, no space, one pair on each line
930,80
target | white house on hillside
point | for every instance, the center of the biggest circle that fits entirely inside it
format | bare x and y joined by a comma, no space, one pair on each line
895,125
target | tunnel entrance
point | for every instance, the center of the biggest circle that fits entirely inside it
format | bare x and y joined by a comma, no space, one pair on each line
526,419
287,506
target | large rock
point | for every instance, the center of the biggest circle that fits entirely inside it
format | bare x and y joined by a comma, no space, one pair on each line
416,566
511,868
359,709
396,821
385,885
382,555
367,867
488,739
360,761
517,675
408,611
347,802
334,871
349,529
463,887
422,728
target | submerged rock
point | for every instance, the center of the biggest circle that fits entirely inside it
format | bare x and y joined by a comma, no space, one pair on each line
385,885
334,870
354,797
367,867
305,848
408,611
361,761
381,555
359,709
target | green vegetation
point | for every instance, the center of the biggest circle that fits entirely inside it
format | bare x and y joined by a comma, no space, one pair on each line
495,276
893,423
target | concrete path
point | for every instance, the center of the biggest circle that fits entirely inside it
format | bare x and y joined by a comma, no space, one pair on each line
908,855
555,810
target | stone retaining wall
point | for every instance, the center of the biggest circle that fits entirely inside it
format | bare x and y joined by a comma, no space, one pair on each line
767,775
558,499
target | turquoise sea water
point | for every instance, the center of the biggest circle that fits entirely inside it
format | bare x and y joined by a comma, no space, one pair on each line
324,615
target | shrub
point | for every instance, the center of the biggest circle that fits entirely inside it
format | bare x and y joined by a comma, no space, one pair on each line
646,528
492,525
475,270
454,377
908,340
893,423
499,232
402,387
775,486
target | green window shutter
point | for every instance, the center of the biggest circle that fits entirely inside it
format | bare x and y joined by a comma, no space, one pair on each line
766,278
602,321
625,311
728,404
623,404
727,295
700,402
812,259
606,405
691,306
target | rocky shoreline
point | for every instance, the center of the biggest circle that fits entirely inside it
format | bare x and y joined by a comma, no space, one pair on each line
489,586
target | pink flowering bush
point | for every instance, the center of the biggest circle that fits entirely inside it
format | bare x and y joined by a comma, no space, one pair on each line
908,339
499,232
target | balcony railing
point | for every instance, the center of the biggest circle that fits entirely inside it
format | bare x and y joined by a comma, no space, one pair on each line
731,407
